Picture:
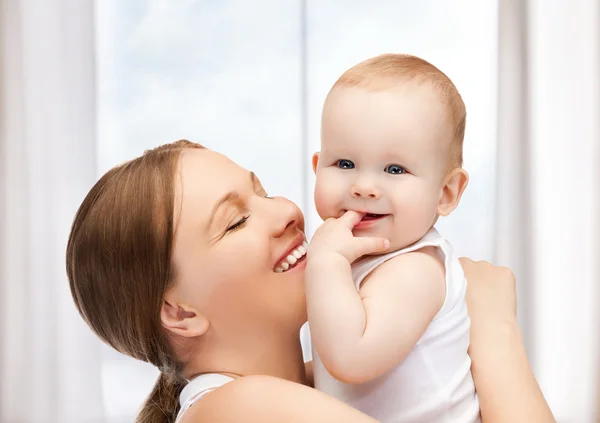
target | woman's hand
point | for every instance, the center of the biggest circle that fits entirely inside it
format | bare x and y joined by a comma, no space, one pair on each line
491,298
505,384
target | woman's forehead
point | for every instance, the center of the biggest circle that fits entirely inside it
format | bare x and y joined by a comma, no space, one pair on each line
197,160
204,177
207,168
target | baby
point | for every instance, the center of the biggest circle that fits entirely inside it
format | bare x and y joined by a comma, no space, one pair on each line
385,292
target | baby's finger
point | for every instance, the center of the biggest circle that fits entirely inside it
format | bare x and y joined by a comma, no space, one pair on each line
351,218
370,245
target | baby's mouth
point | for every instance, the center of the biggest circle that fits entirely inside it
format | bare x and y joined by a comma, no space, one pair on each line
373,216
368,216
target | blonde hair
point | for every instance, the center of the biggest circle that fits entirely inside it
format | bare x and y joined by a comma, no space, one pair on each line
386,71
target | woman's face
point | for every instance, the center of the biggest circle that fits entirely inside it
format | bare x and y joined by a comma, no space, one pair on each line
230,242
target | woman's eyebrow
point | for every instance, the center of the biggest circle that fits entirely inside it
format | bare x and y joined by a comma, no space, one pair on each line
230,197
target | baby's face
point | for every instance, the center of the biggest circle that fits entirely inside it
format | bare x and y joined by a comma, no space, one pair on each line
385,154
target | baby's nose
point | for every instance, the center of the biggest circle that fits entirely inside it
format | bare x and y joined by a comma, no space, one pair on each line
365,190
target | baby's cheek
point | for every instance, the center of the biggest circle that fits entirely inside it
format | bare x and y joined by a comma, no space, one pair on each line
416,212
423,208
326,198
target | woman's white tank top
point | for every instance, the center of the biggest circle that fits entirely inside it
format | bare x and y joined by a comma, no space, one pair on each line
197,388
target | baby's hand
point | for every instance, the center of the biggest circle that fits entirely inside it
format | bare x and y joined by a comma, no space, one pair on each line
335,236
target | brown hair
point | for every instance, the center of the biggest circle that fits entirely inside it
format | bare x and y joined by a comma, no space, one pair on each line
385,71
119,266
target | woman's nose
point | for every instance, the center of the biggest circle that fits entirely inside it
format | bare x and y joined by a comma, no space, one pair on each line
284,215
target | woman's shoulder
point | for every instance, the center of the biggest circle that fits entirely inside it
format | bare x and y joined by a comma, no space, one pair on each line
268,399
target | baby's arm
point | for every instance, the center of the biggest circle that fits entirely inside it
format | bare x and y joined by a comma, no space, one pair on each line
360,336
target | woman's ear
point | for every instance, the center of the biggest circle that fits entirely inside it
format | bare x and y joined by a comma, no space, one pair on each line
182,319
454,186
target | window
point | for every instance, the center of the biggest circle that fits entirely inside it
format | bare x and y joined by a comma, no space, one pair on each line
248,79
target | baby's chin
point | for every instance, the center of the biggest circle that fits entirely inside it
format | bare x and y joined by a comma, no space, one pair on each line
398,237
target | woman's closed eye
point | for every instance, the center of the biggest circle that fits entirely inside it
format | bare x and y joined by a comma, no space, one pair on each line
237,224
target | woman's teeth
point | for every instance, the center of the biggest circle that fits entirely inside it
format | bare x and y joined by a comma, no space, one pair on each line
296,255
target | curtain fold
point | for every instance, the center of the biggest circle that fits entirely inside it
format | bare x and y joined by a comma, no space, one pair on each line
50,364
547,201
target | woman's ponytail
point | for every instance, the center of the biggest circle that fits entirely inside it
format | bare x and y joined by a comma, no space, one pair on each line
162,405
119,266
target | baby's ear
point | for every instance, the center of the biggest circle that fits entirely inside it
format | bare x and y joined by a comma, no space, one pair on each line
315,161
454,186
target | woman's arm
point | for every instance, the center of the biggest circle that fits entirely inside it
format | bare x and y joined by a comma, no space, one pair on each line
271,400
507,389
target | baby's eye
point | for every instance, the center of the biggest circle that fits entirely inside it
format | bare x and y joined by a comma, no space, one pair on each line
345,164
394,169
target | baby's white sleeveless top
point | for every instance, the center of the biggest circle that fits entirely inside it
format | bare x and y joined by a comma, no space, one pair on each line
197,388
434,383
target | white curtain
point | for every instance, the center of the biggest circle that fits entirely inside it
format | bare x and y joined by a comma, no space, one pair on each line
50,368
548,196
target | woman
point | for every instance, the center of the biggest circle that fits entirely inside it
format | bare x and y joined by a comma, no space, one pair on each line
173,259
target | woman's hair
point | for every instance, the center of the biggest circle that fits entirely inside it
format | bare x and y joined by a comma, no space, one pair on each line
119,266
